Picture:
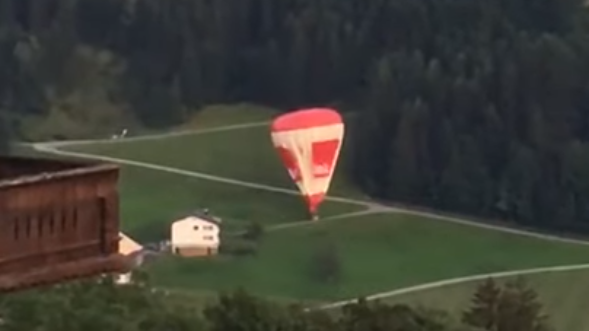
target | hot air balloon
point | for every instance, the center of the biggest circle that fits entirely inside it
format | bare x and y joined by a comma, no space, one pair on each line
309,141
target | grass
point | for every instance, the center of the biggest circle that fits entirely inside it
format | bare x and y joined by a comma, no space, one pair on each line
565,295
151,200
377,253
222,115
245,154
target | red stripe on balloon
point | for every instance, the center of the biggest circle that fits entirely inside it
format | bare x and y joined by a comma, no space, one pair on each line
290,162
324,153
305,119
314,200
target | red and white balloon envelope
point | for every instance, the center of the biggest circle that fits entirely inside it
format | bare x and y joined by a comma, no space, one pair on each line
309,141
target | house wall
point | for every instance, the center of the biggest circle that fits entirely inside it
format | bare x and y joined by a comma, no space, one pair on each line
58,220
193,231
195,251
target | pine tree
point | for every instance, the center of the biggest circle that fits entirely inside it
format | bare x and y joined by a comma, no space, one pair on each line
515,306
483,310
240,311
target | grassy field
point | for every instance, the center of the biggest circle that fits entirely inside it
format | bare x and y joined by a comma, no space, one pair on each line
565,294
245,154
222,115
377,252
151,200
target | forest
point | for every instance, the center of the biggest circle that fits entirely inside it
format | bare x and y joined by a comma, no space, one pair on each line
479,107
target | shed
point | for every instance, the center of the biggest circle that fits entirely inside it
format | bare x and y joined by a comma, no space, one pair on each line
128,246
131,250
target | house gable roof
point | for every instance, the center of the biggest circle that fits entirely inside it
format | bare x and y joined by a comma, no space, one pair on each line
201,215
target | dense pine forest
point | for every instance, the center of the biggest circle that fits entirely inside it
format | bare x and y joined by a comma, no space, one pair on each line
475,106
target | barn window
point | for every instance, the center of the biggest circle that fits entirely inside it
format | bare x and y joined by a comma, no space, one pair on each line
102,208
75,217
102,205
51,223
63,218
40,221
28,226
16,228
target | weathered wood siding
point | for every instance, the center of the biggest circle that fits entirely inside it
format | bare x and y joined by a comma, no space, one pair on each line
62,217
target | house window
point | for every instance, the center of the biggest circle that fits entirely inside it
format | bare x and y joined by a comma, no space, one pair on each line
209,227
208,237
195,228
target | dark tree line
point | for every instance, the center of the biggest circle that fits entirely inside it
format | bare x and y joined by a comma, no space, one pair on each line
473,106
101,305
489,115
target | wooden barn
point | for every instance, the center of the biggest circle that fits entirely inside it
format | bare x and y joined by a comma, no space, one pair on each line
59,220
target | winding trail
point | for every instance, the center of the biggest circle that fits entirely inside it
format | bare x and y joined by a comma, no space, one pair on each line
454,281
371,207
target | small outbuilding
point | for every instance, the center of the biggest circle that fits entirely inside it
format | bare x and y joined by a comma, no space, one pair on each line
132,251
195,235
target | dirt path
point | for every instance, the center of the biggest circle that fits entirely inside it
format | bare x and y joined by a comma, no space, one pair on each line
458,280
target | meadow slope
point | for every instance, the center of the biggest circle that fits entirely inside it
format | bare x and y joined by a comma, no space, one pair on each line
381,250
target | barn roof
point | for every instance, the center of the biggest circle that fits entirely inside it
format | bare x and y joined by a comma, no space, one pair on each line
15,170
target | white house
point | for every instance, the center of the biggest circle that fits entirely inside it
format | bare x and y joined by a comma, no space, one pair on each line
195,235
131,250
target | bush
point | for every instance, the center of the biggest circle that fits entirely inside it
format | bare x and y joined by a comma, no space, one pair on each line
325,265
253,231
238,247
512,306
